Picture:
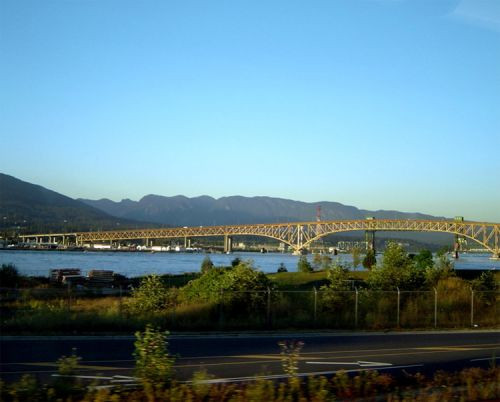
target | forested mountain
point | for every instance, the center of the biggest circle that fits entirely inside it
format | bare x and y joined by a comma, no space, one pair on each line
31,208
27,207
205,210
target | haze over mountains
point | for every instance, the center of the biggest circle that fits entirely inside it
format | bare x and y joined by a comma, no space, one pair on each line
183,211
33,208
204,211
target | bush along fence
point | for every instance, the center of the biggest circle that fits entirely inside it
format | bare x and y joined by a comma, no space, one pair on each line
60,310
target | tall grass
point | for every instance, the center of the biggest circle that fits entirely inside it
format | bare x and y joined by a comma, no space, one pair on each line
57,310
470,384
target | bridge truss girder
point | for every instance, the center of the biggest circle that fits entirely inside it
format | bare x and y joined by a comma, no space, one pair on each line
300,235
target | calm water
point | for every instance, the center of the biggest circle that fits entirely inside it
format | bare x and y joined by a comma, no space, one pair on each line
38,263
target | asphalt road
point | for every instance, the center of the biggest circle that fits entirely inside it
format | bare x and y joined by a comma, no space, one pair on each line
237,357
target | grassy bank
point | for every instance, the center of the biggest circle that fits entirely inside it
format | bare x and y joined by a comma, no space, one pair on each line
75,312
242,298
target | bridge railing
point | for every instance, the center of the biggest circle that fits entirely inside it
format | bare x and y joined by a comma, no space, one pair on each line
94,310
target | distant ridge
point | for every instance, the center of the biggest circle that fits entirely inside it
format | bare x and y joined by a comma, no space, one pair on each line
29,208
204,210
32,208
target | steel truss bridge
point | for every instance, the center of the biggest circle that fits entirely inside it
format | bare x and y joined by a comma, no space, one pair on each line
298,235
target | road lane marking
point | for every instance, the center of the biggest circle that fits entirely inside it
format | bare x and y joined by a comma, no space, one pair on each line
470,347
308,374
358,363
273,358
475,346
484,358
404,352
450,348
78,366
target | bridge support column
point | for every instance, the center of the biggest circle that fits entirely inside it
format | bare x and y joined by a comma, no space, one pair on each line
228,244
370,236
370,239
459,240
187,242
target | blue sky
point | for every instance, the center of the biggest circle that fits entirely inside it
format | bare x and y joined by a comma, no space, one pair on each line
379,104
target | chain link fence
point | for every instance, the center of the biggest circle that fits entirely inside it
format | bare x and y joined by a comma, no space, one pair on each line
98,310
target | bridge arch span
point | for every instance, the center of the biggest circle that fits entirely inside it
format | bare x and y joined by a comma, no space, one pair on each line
312,240
300,235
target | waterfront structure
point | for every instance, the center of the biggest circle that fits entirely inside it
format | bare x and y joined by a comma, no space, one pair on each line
297,235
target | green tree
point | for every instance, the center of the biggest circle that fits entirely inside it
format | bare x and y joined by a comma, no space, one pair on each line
486,282
303,264
442,268
396,271
282,268
316,261
424,259
151,296
332,297
321,262
356,256
206,264
370,260
242,282
153,365
9,276
326,261
338,278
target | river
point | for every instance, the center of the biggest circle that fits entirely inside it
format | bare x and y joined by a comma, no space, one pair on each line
38,263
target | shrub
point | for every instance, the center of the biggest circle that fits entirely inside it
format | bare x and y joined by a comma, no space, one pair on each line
370,260
486,282
303,265
151,296
442,269
9,276
153,365
206,264
282,268
396,271
240,290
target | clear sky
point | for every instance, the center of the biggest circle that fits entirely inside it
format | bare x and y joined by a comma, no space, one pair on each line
381,104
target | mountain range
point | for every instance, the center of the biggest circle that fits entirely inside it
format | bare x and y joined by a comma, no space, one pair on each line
33,208
28,207
183,211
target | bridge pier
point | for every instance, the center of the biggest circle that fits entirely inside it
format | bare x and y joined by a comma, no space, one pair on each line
187,242
228,244
370,236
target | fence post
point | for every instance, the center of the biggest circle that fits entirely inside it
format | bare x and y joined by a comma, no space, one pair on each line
471,307
356,299
221,308
69,296
315,303
435,308
120,306
268,313
399,300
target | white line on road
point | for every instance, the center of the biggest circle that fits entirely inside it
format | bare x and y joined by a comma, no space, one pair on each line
485,358
282,376
358,363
